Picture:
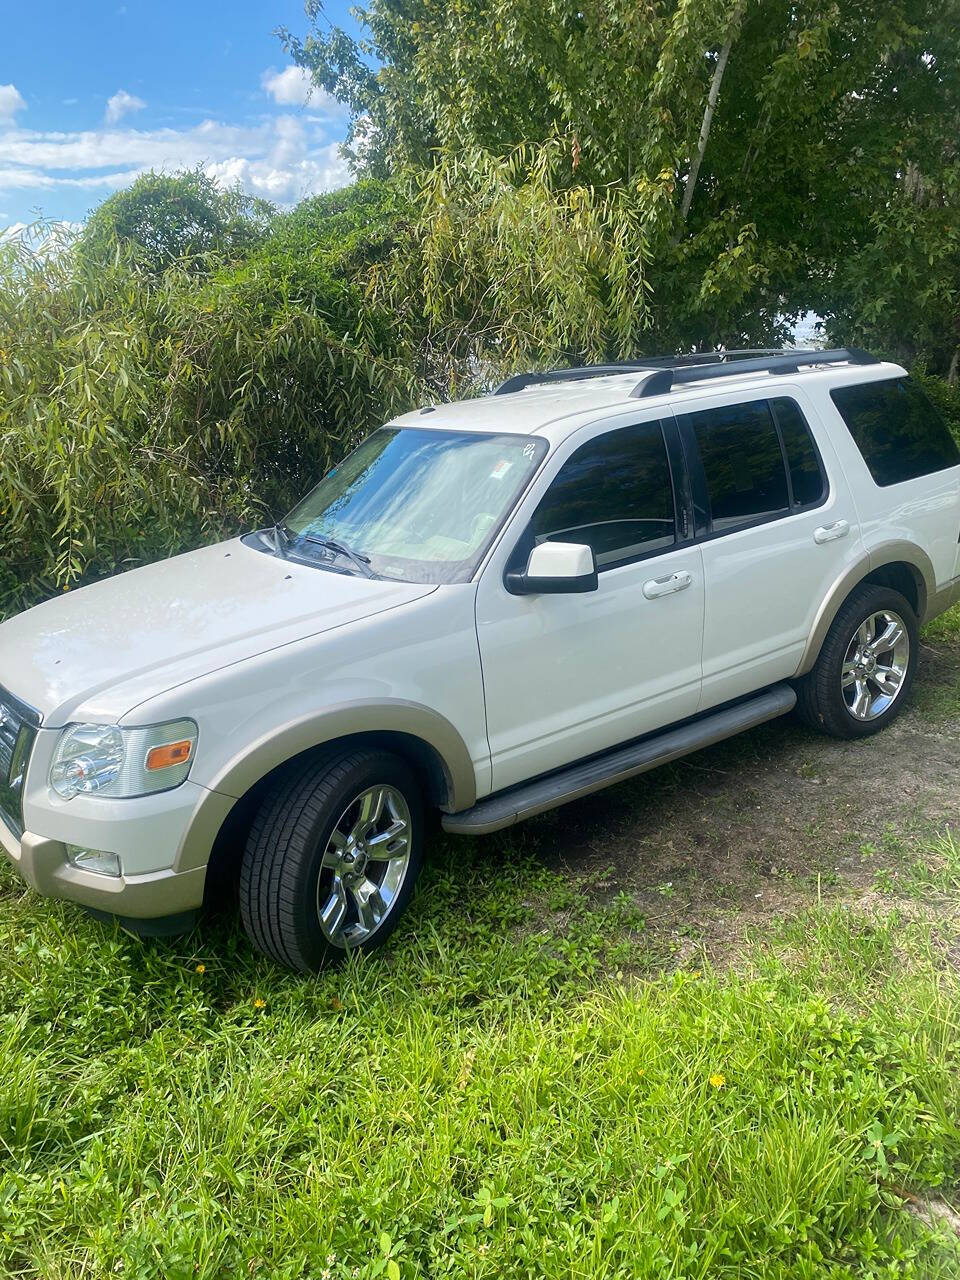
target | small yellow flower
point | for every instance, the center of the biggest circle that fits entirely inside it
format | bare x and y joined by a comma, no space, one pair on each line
641,1071
201,968
66,586
259,1003
696,974
718,1080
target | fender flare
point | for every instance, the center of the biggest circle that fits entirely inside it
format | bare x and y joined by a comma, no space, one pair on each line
258,758
886,553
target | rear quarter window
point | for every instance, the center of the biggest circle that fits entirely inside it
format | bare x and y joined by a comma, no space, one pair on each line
897,429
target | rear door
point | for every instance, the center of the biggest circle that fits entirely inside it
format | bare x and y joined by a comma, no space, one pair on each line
778,528
566,676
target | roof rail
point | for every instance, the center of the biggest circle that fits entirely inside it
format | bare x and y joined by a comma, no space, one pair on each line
663,379
665,372
521,380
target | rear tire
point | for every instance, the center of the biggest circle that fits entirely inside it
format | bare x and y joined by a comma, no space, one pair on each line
861,680
332,857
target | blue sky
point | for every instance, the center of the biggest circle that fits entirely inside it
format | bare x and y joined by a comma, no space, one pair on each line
92,93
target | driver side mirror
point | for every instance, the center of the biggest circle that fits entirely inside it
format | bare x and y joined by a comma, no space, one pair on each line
553,568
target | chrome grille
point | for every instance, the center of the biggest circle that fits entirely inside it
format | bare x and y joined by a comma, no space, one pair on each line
18,728
10,725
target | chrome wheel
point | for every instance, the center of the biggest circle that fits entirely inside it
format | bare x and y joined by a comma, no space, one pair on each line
875,665
364,866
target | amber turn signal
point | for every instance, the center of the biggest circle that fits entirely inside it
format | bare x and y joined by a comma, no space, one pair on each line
169,754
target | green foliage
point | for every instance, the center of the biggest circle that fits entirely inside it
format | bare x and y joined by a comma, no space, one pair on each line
803,178
485,1100
171,218
508,267
900,292
142,413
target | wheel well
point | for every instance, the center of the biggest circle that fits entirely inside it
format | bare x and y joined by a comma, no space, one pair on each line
224,863
906,579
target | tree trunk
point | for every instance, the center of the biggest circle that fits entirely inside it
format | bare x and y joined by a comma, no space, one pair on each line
711,106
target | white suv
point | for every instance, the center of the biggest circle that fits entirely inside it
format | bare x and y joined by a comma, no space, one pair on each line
488,609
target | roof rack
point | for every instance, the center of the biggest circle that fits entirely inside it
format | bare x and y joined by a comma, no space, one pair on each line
665,372
665,379
521,380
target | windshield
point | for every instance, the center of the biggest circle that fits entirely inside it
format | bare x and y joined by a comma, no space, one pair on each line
414,504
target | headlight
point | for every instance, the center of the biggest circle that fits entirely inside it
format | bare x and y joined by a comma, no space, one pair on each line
110,761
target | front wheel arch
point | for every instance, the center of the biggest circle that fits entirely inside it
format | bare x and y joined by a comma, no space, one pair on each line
223,863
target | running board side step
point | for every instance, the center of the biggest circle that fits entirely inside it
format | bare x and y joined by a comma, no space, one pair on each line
530,798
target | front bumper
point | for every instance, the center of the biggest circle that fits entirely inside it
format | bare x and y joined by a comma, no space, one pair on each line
44,865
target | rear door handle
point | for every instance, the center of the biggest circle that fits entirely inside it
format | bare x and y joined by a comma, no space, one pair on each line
830,532
666,586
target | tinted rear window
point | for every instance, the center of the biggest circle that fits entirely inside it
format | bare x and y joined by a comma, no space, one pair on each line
897,429
807,483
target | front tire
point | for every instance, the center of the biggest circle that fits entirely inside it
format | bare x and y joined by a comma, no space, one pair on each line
862,678
332,858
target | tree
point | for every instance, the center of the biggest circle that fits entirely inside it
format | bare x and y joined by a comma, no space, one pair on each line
755,143
166,218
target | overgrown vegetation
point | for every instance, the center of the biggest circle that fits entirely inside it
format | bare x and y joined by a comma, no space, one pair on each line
149,402
767,158
536,186
589,184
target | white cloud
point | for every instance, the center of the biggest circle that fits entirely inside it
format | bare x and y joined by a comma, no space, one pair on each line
121,104
292,87
323,170
283,158
11,102
20,178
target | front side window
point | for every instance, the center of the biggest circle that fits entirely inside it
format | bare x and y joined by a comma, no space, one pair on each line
613,494
742,462
419,505
897,429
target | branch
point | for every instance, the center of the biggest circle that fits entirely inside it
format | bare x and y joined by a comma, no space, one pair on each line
711,106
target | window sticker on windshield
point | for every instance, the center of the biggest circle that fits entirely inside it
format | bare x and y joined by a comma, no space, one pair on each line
501,469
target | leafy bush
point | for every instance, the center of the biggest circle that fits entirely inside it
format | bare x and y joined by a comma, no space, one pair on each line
164,218
945,395
144,412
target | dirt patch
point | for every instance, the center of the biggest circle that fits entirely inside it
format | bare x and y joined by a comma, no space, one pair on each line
934,1212
769,822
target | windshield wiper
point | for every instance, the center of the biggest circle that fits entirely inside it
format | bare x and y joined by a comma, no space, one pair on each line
361,561
281,539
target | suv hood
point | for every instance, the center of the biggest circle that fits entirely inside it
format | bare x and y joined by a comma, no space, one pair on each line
105,648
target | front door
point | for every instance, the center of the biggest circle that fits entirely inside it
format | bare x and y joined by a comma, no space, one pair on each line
566,676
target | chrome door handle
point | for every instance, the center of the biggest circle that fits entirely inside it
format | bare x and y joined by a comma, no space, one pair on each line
830,532
666,586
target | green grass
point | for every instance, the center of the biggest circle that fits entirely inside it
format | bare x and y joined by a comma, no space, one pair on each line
511,1091
938,699
946,628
